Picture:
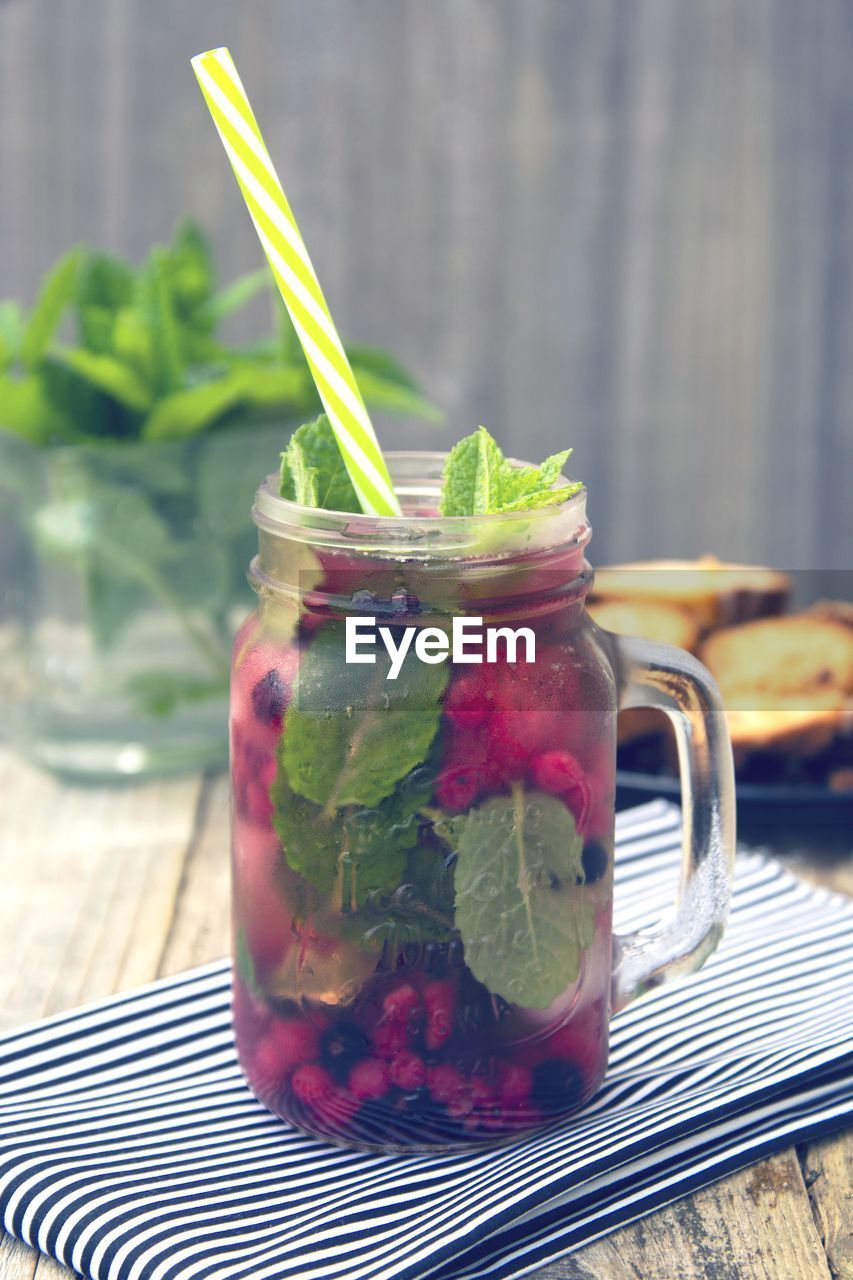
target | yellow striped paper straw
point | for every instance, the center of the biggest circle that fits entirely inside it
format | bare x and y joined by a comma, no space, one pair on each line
286,253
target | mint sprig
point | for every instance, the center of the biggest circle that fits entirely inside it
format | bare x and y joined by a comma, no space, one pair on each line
479,480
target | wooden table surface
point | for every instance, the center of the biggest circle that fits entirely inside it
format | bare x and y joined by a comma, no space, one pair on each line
105,888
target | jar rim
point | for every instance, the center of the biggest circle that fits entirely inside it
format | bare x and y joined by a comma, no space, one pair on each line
417,478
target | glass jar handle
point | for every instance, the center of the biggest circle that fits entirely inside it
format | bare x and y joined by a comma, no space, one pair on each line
660,676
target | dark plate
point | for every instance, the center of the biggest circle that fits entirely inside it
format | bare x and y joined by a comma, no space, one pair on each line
779,813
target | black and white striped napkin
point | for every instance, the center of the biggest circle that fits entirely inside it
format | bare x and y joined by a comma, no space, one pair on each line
130,1147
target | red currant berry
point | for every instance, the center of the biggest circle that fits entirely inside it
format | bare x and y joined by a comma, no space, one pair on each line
514,1083
389,1038
508,753
461,1104
457,786
555,771
312,1084
440,1000
408,1071
401,1002
369,1079
444,1082
292,1042
466,702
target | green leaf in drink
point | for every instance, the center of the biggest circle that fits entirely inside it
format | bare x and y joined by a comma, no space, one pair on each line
350,734
520,904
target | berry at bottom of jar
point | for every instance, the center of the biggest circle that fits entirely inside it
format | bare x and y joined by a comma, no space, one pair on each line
417,1061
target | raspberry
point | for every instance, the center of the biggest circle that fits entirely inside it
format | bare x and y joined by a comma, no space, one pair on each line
457,786
466,702
559,773
440,1000
486,1103
389,1038
509,750
556,772
514,1083
449,1088
293,1042
445,1082
408,1071
400,1002
312,1084
368,1079
439,1028
461,1104
266,1074
482,1091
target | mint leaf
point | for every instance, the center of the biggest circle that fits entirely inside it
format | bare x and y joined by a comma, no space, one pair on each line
478,480
319,449
520,481
158,693
274,389
310,841
552,468
189,264
56,292
379,839
108,375
236,295
521,907
359,853
25,410
389,396
350,734
303,475
543,498
89,413
158,312
192,411
472,476
112,599
105,281
11,332
245,965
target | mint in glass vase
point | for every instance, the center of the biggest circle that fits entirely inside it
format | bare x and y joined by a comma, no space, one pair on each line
131,438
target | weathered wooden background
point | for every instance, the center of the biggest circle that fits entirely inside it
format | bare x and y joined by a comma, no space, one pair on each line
621,224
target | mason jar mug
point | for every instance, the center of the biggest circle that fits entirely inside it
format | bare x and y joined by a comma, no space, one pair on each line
423,749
